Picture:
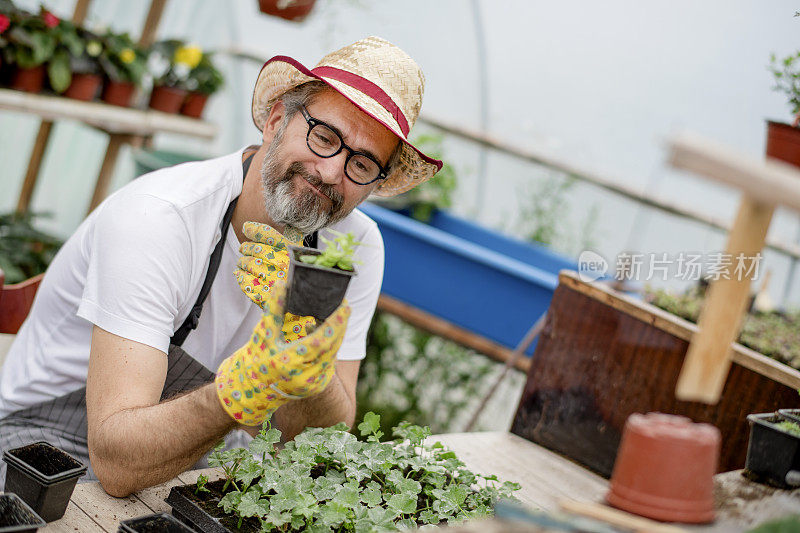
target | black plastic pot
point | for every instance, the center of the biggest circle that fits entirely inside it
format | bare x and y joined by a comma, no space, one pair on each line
17,516
44,476
201,511
314,290
773,454
154,523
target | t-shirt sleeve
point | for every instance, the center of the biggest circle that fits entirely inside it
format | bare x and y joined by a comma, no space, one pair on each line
362,294
138,269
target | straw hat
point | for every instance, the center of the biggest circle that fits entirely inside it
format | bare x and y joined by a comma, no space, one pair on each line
380,79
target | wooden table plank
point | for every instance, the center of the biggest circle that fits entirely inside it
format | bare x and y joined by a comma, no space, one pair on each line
75,519
106,510
546,477
153,497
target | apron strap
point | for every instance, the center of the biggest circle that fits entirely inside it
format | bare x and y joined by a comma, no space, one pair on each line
193,319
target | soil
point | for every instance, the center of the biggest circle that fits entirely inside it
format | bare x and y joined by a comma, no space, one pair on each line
46,459
157,524
13,514
209,501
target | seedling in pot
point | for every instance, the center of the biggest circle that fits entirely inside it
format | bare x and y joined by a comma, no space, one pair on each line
773,452
318,280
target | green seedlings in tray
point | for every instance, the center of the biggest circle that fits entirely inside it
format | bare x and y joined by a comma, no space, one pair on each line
337,254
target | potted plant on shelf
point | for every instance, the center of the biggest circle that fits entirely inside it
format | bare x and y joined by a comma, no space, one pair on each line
318,279
69,45
30,43
124,64
783,140
170,63
85,68
294,10
204,80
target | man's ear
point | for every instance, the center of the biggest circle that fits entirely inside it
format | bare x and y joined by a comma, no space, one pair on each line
273,122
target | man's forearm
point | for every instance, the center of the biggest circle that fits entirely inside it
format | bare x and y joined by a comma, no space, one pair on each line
331,406
145,446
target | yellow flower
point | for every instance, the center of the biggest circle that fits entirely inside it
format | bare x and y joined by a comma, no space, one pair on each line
188,55
127,55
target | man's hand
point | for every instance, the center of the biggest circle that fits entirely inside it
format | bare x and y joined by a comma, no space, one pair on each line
265,261
270,371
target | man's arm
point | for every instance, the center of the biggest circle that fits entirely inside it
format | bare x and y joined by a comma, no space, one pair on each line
135,441
337,403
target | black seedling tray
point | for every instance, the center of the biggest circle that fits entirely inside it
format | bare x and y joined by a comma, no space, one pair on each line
201,512
43,476
17,516
771,452
154,523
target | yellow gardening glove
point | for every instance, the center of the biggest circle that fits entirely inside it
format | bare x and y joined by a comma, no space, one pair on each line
265,260
269,371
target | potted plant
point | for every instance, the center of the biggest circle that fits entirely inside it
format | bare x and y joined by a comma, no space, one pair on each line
30,43
17,516
170,63
328,478
154,523
5,22
773,451
294,10
44,476
318,279
783,140
124,65
86,75
204,80
24,251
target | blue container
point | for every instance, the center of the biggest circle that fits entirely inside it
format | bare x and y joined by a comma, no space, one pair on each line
476,278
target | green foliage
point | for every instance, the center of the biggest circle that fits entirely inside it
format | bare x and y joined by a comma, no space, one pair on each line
328,480
201,484
786,73
790,427
24,250
436,193
29,42
338,252
69,46
787,524
205,78
544,216
409,374
122,59
774,334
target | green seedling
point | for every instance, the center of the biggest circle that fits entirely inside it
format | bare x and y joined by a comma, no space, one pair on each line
337,254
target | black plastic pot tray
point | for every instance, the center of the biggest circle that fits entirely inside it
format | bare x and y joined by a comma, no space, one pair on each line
200,511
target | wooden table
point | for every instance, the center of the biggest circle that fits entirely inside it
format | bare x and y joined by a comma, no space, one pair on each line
545,477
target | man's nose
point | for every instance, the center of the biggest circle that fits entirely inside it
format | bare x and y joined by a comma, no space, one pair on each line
331,169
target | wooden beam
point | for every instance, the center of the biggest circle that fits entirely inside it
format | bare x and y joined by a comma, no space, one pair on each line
769,181
115,141
151,22
433,324
708,359
34,164
80,11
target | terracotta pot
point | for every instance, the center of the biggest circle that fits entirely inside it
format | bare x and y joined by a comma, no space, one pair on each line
783,142
194,104
167,99
28,79
294,10
665,468
118,93
84,87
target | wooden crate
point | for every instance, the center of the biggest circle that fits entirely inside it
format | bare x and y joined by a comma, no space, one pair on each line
603,355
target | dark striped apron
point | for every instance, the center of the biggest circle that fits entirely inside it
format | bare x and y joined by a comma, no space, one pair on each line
62,421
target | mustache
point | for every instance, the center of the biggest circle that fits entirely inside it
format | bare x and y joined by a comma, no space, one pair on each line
336,198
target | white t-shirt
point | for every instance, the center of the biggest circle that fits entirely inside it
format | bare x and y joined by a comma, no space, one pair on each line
135,266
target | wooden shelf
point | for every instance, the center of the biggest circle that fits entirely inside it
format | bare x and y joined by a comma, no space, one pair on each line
109,118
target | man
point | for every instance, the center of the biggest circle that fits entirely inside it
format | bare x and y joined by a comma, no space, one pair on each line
139,355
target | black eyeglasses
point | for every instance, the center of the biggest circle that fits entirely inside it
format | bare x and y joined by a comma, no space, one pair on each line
326,142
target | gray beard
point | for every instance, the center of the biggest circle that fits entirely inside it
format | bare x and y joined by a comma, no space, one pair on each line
304,212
